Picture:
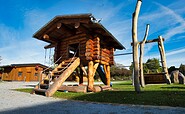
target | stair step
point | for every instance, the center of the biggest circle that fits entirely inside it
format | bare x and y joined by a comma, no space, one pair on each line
66,64
55,76
44,86
40,91
70,60
59,69
58,72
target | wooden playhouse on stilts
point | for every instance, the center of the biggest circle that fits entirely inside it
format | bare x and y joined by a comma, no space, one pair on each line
80,41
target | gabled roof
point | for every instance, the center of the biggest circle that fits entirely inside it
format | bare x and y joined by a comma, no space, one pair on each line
69,25
25,65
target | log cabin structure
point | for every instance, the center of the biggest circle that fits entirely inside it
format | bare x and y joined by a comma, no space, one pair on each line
22,72
79,41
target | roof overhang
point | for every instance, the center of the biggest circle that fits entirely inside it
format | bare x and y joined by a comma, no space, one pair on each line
69,25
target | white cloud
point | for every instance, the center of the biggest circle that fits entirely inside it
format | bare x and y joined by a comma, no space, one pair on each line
176,51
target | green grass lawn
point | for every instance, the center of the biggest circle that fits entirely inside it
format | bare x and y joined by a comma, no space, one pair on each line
123,93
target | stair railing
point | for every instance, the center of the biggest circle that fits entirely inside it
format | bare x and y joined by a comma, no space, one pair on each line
49,74
70,61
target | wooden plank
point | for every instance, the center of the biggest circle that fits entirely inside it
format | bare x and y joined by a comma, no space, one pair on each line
151,41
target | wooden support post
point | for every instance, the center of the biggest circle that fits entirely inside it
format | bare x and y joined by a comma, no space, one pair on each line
142,44
95,67
135,46
83,69
108,75
90,76
163,59
81,77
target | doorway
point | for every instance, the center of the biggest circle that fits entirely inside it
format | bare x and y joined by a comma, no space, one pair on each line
28,76
73,50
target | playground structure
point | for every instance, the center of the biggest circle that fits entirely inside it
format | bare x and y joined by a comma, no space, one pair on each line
158,77
138,69
80,41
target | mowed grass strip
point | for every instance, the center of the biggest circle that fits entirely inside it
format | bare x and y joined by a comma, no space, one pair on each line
123,93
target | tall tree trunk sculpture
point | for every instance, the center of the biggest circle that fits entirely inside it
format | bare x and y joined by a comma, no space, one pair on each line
142,44
135,46
163,59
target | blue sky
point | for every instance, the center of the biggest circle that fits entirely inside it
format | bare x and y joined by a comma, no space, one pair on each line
20,19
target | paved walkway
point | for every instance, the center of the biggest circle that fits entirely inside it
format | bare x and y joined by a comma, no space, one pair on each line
13,102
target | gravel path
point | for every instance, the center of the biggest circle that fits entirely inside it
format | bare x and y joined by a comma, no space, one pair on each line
13,102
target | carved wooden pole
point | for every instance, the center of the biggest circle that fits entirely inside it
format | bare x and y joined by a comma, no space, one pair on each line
135,46
90,76
163,59
108,75
142,44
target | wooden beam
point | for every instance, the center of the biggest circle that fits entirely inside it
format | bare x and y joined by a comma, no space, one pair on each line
73,88
49,38
66,30
150,41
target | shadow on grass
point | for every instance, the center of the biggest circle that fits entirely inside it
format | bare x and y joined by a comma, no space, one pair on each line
158,98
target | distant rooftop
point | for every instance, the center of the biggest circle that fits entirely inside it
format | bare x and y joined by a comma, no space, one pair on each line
24,65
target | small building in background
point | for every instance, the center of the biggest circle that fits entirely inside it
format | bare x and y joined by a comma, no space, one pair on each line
22,72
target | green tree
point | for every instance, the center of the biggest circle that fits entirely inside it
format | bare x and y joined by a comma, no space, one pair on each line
153,65
119,72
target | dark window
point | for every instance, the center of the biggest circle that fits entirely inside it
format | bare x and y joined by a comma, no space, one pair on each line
36,74
19,73
73,50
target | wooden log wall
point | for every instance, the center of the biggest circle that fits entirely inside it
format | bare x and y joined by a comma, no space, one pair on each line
94,52
63,47
89,50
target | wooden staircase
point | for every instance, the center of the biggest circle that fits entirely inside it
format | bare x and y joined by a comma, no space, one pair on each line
51,84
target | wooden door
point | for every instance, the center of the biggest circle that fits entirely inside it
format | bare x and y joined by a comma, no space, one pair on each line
28,76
